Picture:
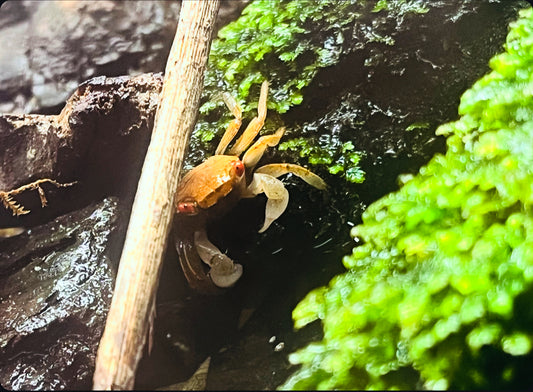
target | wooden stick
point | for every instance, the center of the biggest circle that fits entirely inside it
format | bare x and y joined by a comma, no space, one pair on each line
134,297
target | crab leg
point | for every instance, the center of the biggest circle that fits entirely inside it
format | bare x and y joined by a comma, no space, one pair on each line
233,126
223,272
254,153
192,266
279,169
255,125
264,180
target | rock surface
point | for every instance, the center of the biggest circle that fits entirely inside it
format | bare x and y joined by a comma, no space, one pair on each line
56,278
50,47
56,285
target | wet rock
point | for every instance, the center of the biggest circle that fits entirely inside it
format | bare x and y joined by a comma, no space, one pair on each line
50,47
56,285
56,278
402,76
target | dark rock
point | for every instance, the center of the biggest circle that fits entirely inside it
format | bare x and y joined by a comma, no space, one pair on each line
15,12
56,279
228,12
15,66
188,328
56,285
71,42
61,44
402,76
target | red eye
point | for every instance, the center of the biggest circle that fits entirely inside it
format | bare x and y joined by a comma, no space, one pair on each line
187,208
239,167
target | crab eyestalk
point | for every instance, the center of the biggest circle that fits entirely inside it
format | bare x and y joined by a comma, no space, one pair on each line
187,208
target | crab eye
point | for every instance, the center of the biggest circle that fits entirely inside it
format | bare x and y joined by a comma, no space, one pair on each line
188,208
239,167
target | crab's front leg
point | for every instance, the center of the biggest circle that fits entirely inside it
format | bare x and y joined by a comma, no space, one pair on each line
276,193
264,180
224,273
279,169
192,266
195,251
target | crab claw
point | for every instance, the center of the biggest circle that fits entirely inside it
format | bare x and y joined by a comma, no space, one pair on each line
224,273
265,180
278,196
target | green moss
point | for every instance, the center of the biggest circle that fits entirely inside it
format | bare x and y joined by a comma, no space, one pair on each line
401,6
442,286
339,157
278,41
286,43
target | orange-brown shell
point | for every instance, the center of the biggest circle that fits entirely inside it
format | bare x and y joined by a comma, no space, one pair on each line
210,181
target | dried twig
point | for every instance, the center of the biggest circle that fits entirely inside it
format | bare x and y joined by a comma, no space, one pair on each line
9,203
129,315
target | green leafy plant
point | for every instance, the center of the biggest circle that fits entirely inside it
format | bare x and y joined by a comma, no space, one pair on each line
439,293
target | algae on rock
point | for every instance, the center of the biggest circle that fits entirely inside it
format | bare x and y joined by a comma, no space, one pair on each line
439,294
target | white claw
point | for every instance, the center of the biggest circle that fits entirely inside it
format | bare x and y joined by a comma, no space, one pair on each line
274,209
224,273
278,196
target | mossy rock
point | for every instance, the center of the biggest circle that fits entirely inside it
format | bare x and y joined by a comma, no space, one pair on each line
376,106
438,295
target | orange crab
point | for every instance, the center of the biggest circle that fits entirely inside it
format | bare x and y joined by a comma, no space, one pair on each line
213,187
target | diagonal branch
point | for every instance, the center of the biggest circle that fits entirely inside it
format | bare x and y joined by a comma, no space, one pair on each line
129,315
